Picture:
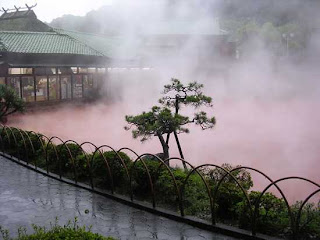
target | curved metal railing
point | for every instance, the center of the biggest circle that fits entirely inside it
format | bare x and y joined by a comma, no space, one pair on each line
19,137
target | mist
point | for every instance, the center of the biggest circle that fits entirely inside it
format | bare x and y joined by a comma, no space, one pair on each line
266,106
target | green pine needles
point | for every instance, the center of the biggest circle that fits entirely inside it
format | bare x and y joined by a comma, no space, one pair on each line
165,120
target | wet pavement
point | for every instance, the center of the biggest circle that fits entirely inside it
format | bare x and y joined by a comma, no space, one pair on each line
27,197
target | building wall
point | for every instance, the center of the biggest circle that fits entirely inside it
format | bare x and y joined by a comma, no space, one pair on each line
44,84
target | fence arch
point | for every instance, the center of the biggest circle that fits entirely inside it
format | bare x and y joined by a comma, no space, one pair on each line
149,178
124,165
129,149
56,153
14,136
293,225
267,177
298,220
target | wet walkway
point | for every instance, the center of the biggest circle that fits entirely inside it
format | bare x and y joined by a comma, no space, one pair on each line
27,197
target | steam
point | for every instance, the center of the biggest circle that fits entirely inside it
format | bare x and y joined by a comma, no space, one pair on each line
267,109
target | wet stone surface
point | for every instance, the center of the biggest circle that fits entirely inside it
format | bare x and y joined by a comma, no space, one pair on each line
27,197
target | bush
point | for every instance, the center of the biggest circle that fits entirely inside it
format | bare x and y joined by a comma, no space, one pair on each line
196,199
273,215
229,193
141,183
67,232
65,161
165,188
9,144
100,171
31,154
310,219
231,205
19,149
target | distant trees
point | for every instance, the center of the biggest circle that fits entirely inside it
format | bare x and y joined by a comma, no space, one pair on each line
9,102
162,122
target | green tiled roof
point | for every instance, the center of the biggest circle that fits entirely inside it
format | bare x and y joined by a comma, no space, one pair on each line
112,47
23,24
43,43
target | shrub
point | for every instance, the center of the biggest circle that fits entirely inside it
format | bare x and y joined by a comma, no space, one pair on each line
100,171
229,193
195,197
9,144
141,183
310,219
33,145
65,161
67,232
273,216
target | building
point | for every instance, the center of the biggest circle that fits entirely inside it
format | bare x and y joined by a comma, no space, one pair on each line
42,64
47,65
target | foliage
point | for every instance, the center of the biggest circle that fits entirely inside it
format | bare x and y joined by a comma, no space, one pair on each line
194,194
66,161
141,183
70,231
9,102
229,192
157,122
161,120
100,170
241,175
191,94
273,216
230,203
310,219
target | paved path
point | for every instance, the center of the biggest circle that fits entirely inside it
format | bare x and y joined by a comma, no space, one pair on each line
28,197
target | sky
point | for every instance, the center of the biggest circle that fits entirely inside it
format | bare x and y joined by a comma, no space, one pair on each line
47,10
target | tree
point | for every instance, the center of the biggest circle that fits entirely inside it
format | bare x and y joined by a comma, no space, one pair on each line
9,102
162,122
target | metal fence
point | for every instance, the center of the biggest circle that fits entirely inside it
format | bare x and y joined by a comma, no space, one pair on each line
14,136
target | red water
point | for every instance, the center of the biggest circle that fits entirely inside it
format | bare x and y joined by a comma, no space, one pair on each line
281,138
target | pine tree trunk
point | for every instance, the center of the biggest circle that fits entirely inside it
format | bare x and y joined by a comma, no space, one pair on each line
180,151
165,148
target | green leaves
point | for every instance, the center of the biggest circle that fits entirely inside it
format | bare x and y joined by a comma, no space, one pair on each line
161,120
156,122
69,231
203,121
9,102
191,94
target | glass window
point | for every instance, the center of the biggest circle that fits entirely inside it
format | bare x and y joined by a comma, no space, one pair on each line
40,71
51,71
83,70
14,71
14,82
77,86
64,70
2,80
41,88
87,85
101,70
20,70
27,89
97,80
65,87
74,70
54,89
91,70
